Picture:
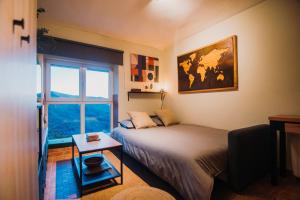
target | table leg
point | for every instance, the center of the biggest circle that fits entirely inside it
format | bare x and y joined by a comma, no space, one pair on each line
72,151
282,154
80,174
273,138
121,151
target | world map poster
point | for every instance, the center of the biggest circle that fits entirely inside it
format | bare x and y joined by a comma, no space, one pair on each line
211,68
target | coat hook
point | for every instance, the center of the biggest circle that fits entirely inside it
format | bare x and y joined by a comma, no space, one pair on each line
17,22
25,38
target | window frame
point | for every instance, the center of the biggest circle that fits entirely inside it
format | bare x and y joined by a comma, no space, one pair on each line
82,100
39,99
40,62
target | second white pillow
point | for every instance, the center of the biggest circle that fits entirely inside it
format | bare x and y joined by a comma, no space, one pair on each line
141,120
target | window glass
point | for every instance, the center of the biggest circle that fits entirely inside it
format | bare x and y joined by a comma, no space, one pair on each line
97,118
63,120
64,82
97,84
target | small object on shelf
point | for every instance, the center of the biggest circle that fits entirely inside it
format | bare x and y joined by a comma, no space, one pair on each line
92,137
162,98
136,90
94,161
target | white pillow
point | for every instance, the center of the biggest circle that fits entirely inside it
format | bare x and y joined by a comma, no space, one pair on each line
167,117
141,120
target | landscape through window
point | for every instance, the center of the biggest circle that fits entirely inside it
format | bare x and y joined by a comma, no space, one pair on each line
79,102
97,118
64,120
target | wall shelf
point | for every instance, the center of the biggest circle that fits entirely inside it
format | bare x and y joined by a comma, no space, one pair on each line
145,93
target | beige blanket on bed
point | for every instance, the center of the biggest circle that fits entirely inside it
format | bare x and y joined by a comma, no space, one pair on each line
186,156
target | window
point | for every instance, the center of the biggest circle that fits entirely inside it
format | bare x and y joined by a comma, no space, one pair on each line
79,99
97,84
64,82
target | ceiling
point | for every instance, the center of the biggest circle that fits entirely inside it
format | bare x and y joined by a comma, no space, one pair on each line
154,23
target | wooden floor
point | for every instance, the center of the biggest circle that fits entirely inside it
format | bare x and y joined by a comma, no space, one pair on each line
289,188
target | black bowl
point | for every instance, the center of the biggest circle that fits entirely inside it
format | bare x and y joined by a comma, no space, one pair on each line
93,161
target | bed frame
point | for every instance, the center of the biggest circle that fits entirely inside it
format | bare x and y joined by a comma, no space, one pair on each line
248,155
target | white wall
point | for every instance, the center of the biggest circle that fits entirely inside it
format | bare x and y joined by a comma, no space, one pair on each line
142,104
268,68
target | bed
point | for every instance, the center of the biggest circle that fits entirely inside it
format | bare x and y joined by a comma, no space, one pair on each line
188,157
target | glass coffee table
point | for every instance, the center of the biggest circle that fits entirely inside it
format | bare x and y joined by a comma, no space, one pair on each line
87,179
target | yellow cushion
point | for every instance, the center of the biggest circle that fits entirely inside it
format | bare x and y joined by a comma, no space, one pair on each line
167,117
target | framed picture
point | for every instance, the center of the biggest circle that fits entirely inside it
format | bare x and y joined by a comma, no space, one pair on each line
210,68
144,68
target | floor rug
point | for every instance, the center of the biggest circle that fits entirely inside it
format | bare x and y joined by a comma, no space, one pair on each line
66,186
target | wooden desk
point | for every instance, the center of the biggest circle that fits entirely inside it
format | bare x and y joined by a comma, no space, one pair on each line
277,123
292,129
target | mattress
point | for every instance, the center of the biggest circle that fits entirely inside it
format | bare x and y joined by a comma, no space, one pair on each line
186,156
